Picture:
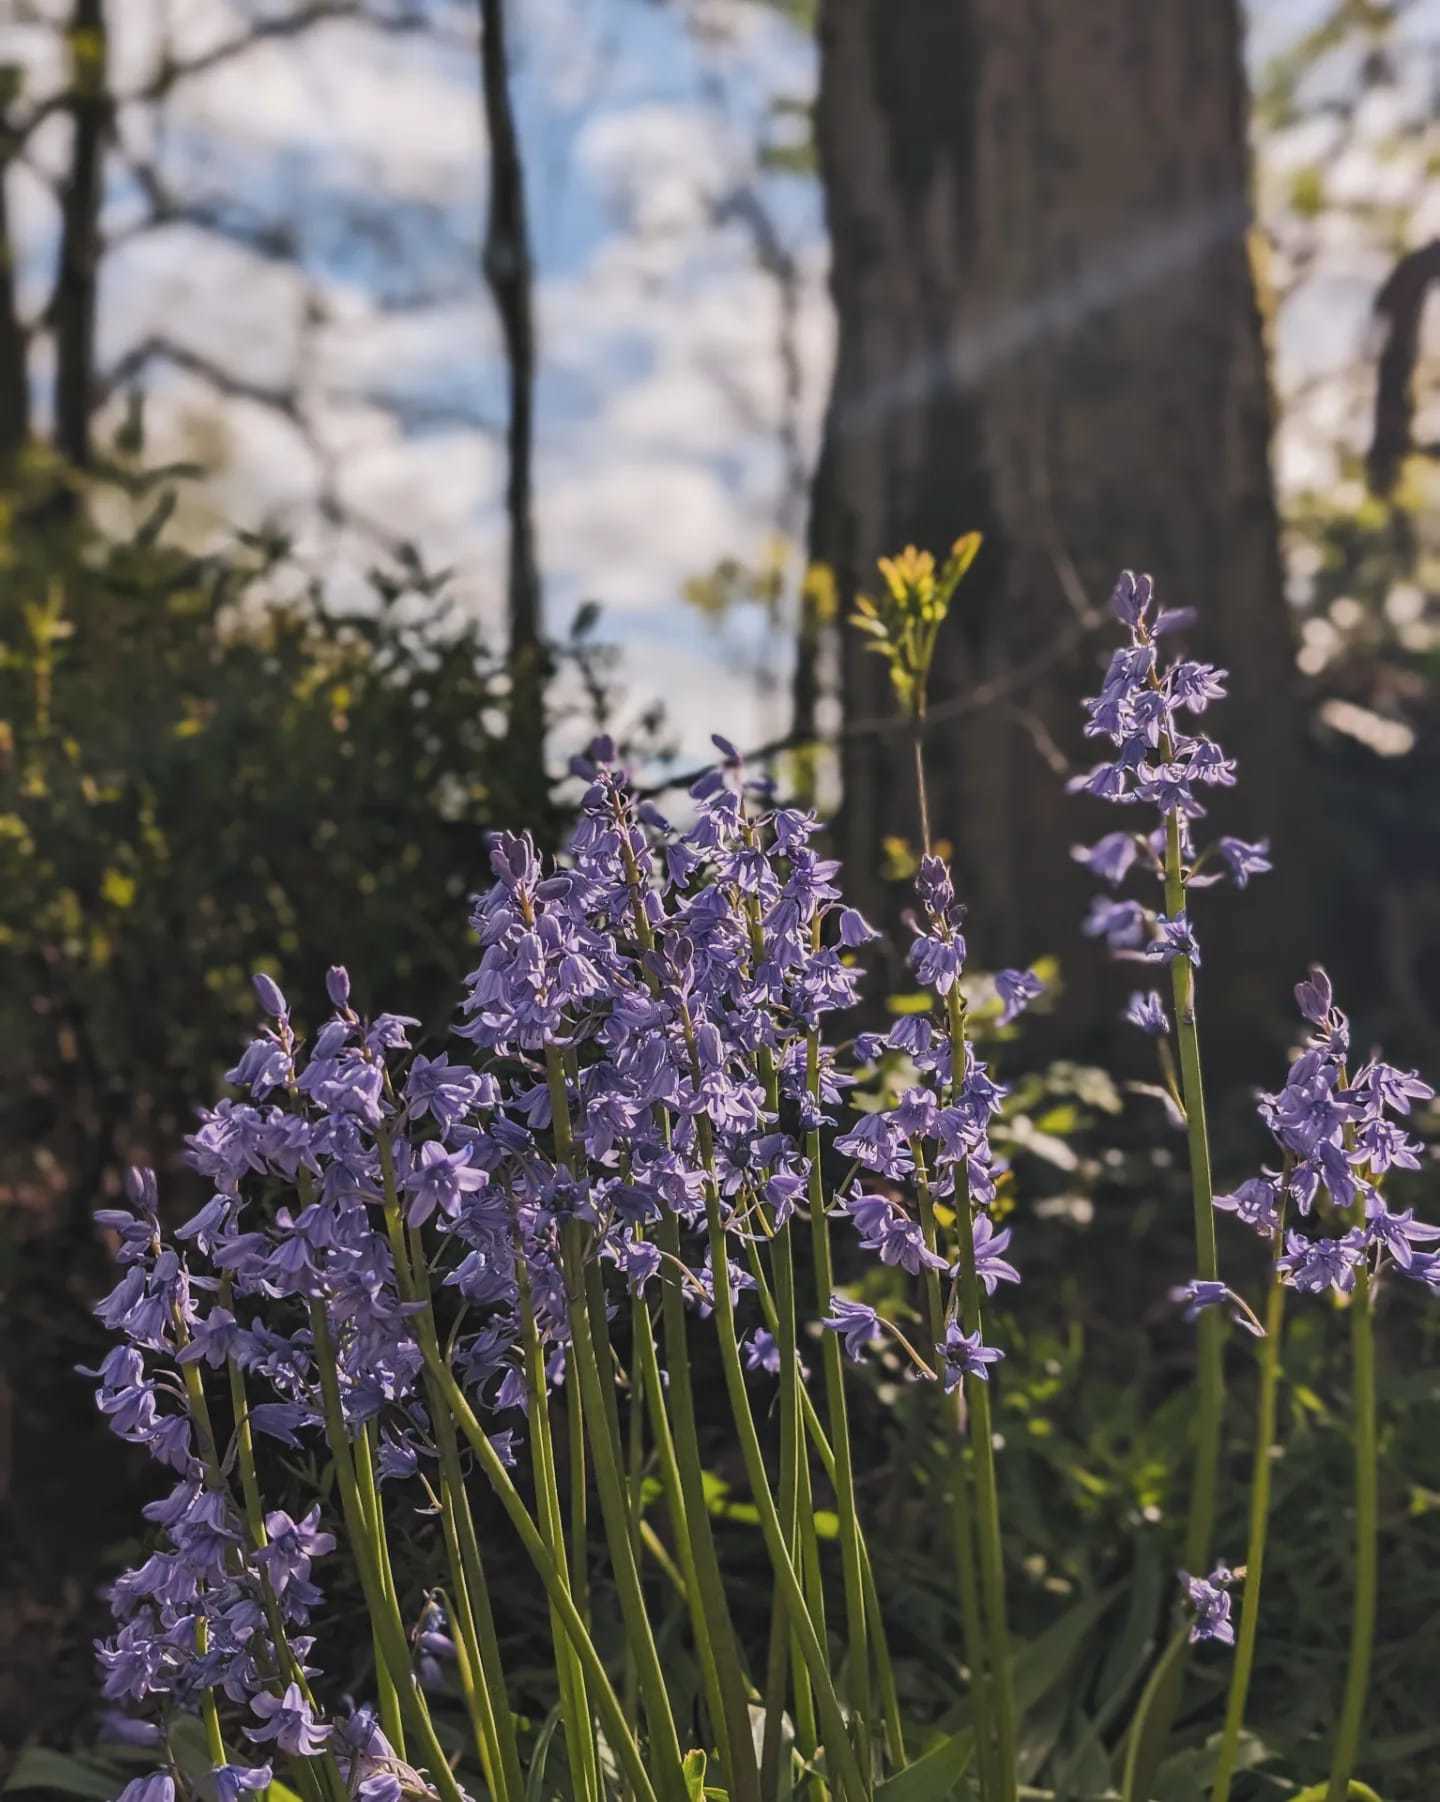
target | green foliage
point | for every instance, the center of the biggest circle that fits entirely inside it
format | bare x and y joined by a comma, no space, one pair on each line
904,624
206,769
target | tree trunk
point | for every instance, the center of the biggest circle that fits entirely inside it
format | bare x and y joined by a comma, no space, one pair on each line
14,373
1048,330
510,273
73,308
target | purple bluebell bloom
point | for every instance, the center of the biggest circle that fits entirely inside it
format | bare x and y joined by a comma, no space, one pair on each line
1147,1011
1209,1599
857,1324
1017,989
964,1354
289,1722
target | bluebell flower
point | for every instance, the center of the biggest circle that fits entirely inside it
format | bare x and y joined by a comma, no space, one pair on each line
1245,860
289,1721
1147,1011
1017,989
159,1786
1173,938
1122,924
1209,1599
234,1780
963,1354
1109,858
1255,1202
271,997
857,1323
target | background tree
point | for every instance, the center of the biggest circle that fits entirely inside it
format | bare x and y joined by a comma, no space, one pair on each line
1048,330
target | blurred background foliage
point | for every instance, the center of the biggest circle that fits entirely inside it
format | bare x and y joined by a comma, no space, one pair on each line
271,666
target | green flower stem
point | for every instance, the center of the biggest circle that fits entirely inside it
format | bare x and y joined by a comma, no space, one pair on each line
797,1513
486,1696
617,1728
634,1489
1210,1329
1367,1524
199,1407
675,1402
603,1435
577,1482
574,1706
962,1517
1265,1409
840,1753
724,1693
679,1405
1141,1737
666,1763
488,1699
813,1581
987,1498
290,1669
875,1621
1200,1525
370,1499
381,1611
209,1713
842,1471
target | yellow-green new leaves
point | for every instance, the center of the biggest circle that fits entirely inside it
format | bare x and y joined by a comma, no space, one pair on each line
905,622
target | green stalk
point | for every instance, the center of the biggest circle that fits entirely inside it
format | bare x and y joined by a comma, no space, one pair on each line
840,1753
987,1498
889,1694
962,1517
483,1684
390,1714
679,1400
1210,1329
579,1488
634,1487
1141,1736
813,1581
1265,1408
574,1706
1367,1526
603,1432
665,1756
1200,1525
796,1512
290,1669
382,1613
842,1467
675,1405
718,1701
617,1728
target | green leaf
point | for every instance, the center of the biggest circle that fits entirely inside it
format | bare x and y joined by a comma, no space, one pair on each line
1359,1792
1188,1776
693,1770
933,1777
62,1774
1038,1666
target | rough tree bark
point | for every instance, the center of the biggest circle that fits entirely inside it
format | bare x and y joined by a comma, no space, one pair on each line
1048,330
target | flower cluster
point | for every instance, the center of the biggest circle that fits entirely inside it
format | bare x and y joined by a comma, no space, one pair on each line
1143,710
639,1051
1338,1137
